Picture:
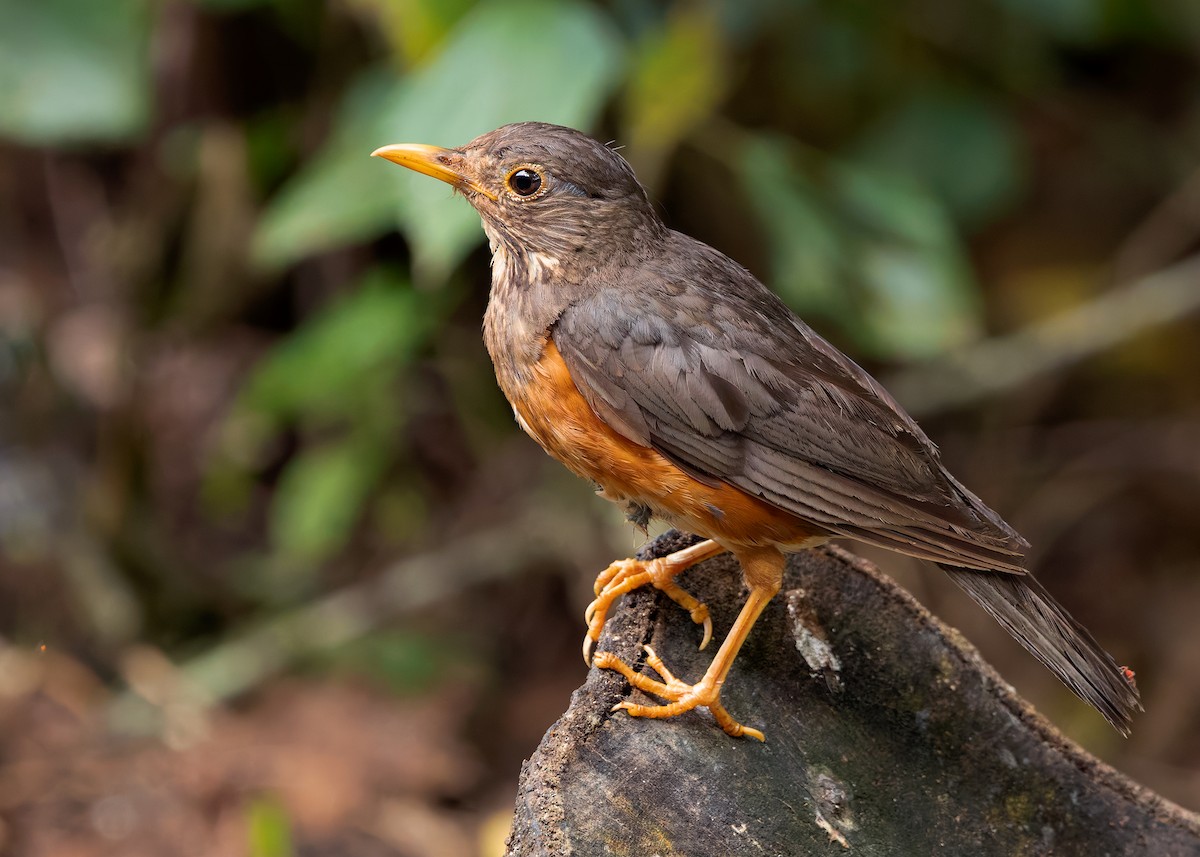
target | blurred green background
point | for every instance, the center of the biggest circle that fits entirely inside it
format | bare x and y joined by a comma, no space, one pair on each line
278,573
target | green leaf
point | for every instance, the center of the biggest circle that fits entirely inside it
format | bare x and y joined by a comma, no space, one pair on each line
408,662
916,294
269,829
335,361
321,495
74,70
964,149
489,74
916,300
340,369
807,249
678,80
343,195
414,28
868,249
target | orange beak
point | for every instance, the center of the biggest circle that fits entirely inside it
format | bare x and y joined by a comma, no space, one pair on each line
432,161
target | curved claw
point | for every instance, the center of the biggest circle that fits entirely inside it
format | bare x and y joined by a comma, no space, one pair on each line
615,570
656,663
627,575
707,630
683,696
763,572
595,614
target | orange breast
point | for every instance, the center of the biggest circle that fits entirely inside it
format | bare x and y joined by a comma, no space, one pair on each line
555,414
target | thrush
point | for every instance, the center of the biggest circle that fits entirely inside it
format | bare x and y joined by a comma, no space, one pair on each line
665,373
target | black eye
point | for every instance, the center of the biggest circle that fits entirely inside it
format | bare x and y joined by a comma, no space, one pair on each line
525,181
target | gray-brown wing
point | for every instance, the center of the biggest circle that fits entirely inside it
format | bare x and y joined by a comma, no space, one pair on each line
733,387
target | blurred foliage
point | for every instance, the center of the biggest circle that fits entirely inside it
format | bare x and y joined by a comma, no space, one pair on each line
74,71
333,379
872,250
240,358
406,663
475,81
964,148
677,80
270,833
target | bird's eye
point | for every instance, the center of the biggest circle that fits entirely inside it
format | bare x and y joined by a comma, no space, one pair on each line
526,182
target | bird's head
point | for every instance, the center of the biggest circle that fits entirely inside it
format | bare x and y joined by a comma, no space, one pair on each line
543,189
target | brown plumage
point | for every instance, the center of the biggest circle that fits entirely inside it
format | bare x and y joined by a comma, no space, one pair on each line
664,372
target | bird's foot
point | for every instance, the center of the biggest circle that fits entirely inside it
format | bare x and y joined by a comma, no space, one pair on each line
627,575
683,696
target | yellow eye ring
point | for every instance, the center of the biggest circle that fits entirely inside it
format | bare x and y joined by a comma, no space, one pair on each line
526,182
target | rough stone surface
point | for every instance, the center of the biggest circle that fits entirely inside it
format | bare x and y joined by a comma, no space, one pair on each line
886,735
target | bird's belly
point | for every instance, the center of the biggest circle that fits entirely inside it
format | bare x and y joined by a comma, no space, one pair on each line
550,408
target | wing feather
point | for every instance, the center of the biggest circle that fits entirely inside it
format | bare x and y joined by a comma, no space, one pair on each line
747,394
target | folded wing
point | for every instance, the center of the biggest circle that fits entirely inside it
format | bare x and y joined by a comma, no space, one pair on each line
737,389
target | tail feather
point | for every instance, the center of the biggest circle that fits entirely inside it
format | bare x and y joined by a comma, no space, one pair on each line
1041,625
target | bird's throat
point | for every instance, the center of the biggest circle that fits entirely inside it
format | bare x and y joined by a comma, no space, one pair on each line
523,305
517,266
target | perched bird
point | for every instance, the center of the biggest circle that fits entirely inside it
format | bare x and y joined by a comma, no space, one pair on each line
665,373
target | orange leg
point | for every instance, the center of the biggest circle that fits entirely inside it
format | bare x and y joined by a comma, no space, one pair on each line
763,569
627,575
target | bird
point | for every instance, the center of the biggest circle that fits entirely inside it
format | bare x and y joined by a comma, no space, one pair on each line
685,390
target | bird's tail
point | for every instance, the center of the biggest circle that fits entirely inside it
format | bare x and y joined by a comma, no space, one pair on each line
1041,625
